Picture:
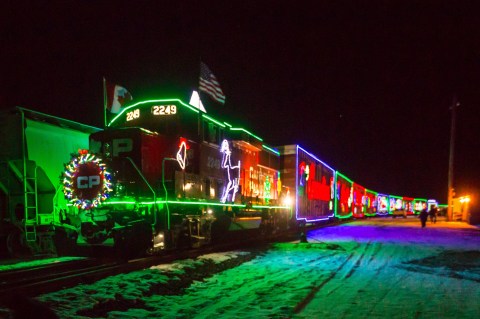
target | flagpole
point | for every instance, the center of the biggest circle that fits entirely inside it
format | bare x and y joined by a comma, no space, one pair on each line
104,103
451,190
199,101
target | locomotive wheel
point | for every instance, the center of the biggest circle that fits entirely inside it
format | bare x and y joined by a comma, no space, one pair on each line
119,244
219,229
65,242
92,233
17,244
134,241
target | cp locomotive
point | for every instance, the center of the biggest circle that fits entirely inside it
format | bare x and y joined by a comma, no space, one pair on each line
182,178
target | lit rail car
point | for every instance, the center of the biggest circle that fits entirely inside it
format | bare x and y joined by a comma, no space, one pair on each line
370,203
419,204
358,201
397,206
383,205
310,182
408,205
343,196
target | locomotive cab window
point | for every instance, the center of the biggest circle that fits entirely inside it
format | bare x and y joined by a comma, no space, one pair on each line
212,133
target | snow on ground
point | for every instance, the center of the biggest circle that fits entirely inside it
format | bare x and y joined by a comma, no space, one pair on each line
365,269
14,264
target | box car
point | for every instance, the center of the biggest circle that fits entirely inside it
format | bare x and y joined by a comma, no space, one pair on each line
383,205
419,204
310,183
358,201
397,206
344,196
370,203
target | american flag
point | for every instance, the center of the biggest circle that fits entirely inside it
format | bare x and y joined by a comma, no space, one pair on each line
210,85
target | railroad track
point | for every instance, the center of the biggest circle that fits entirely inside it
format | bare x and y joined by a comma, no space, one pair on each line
52,277
37,280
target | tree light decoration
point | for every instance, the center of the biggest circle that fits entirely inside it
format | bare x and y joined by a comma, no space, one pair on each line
267,186
86,181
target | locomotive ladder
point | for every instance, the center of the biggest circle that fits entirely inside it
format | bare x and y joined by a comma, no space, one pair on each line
31,206
31,202
4,178
29,182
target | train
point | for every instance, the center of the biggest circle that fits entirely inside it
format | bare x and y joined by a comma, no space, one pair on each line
163,175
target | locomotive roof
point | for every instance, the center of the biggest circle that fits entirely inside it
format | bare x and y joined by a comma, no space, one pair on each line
250,137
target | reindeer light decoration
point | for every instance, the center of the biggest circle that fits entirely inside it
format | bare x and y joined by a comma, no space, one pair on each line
233,172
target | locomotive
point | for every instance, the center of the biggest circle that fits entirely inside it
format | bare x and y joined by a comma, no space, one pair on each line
164,175
177,177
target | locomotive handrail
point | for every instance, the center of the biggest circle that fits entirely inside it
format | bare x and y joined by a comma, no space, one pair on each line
55,200
148,184
165,188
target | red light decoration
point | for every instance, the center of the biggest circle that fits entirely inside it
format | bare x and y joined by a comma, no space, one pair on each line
318,190
182,153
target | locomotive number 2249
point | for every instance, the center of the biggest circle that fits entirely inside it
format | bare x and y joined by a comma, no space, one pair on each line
164,109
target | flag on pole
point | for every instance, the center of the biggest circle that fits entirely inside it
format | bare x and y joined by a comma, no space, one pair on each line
210,85
116,97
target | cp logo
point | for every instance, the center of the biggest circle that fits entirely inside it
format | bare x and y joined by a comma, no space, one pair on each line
88,181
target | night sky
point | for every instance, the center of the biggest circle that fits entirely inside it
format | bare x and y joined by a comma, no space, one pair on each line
364,85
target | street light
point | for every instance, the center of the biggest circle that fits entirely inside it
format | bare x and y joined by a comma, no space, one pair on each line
464,207
465,199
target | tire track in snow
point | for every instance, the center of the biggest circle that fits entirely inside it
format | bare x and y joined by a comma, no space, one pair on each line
261,284
393,286
368,258
302,304
376,248
358,262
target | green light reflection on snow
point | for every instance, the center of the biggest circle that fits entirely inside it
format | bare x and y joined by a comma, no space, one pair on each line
16,264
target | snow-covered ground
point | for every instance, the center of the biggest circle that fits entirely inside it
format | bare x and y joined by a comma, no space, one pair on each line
14,264
366,269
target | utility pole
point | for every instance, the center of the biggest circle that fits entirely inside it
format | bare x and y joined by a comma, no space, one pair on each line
455,104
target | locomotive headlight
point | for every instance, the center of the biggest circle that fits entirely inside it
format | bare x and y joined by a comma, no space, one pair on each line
159,241
287,201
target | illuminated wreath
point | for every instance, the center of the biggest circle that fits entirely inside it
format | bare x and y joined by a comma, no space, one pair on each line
86,182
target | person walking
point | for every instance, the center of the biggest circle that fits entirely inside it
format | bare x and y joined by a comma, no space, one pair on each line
433,214
424,217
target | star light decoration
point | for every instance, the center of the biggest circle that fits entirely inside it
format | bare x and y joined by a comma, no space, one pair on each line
86,192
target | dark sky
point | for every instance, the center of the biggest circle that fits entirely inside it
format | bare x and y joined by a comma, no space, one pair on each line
364,85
